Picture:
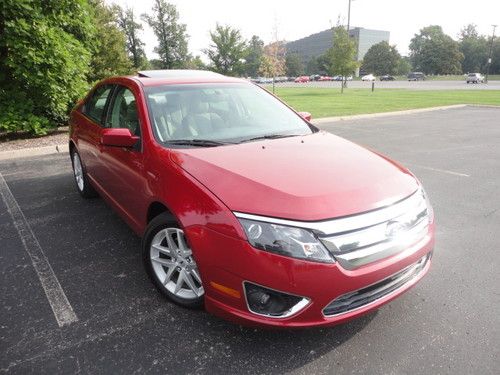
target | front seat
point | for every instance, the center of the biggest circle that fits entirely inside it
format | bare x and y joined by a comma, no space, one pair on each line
199,121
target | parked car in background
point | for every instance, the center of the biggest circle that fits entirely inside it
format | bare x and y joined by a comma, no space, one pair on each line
325,78
341,78
281,79
314,77
310,230
416,76
387,77
302,79
474,78
368,77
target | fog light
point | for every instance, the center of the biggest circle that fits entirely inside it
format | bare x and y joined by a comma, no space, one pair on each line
272,303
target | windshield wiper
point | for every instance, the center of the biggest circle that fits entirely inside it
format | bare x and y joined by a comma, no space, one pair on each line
270,136
197,142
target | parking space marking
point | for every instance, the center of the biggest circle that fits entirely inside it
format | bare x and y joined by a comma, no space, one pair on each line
58,301
439,170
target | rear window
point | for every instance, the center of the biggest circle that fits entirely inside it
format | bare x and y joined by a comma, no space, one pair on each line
94,107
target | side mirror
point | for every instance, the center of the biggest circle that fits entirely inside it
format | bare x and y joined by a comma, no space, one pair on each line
118,137
305,115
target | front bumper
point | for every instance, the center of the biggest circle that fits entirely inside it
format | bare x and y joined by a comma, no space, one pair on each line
229,262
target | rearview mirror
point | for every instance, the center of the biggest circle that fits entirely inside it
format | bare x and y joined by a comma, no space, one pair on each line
305,115
118,138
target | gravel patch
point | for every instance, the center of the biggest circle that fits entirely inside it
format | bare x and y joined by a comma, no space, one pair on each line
58,137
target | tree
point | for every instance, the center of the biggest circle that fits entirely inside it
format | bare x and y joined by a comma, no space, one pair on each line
404,66
273,60
172,38
434,52
294,65
109,57
474,47
44,60
381,59
495,60
312,66
227,50
131,28
253,55
340,56
195,63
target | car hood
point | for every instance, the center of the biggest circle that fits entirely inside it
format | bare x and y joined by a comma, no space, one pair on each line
313,177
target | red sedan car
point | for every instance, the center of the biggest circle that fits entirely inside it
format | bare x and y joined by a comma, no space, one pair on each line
246,207
302,79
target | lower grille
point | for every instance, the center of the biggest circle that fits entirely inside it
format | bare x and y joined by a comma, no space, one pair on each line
359,298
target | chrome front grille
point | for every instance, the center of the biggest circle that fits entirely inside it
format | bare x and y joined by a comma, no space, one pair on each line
360,239
394,229
362,297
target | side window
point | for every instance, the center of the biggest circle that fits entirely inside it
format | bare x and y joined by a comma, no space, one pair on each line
123,111
95,105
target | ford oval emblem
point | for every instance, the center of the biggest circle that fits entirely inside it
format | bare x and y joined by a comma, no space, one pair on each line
393,228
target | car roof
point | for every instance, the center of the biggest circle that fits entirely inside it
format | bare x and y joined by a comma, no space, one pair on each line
180,76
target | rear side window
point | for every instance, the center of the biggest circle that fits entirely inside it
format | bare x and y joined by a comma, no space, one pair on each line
95,105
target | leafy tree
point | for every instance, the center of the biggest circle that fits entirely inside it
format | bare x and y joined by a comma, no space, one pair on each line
273,60
341,55
131,28
404,66
294,65
434,52
44,61
195,63
172,38
312,66
475,49
381,59
227,50
495,60
253,55
109,57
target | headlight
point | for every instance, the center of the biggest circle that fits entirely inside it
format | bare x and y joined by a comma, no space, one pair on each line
289,241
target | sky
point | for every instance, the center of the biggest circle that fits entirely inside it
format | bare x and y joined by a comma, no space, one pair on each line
297,19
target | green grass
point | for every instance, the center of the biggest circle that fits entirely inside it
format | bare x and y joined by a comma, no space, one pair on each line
461,77
326,102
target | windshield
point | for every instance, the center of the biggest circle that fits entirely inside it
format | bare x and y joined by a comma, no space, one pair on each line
226,113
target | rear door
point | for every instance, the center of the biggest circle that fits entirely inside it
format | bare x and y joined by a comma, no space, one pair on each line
89,127
124,167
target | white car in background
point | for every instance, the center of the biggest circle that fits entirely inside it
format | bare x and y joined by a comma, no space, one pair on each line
368,77
474,78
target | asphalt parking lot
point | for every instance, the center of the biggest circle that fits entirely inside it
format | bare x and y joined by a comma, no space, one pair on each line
449,323
420,85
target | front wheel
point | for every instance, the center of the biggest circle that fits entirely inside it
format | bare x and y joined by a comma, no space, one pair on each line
170,264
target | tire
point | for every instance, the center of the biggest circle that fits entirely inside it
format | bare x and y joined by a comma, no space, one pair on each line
81,180
169,262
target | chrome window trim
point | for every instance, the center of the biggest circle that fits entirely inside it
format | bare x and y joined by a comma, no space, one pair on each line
299,306
346,223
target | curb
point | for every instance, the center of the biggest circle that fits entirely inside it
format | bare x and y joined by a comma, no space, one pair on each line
324,120
37,151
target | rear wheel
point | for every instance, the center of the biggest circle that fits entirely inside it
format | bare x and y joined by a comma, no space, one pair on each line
170,264
82,183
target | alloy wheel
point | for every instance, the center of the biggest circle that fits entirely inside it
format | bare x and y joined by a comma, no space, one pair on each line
173,264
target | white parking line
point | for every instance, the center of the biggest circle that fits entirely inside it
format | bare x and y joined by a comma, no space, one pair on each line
440,170
58,301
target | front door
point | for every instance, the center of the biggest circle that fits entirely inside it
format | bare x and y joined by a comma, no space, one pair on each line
126,183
